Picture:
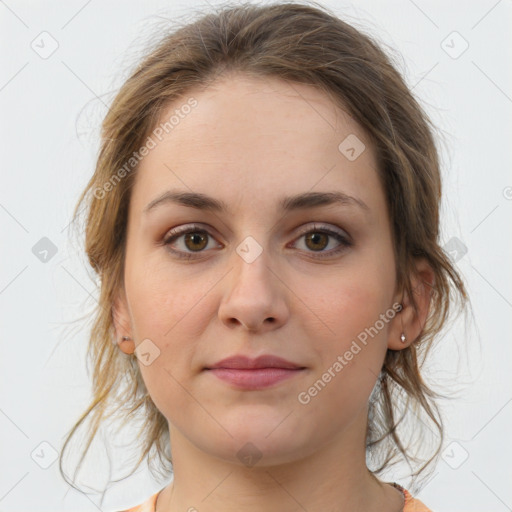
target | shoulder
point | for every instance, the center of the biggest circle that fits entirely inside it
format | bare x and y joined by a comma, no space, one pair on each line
413,504
147,506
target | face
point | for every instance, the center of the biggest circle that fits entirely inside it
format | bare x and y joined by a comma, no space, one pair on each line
311,284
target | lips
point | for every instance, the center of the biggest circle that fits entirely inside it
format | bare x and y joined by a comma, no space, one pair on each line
247,363
245,373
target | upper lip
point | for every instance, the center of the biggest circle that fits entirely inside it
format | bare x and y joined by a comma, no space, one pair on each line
241,362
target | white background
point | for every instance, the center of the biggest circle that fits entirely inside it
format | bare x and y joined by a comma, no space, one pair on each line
51,111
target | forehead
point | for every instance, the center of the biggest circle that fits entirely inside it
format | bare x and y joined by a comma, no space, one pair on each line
250,138
238,107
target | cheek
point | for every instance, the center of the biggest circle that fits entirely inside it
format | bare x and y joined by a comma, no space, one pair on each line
164,300
347,322
169,311
347,304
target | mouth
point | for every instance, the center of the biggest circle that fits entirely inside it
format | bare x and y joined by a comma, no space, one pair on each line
243,372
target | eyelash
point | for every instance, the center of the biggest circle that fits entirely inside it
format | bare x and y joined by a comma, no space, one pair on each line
177,233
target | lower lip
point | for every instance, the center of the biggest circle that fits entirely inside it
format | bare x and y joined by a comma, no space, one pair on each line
257,378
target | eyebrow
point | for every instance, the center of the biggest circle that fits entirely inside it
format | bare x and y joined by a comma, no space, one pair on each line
286,204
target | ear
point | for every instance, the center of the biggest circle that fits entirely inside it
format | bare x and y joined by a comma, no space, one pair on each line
122,323
408,321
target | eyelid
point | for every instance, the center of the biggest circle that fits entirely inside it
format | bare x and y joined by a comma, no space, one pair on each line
184,229
306,229
324,227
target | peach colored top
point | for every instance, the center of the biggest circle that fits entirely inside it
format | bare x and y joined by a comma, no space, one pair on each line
411,504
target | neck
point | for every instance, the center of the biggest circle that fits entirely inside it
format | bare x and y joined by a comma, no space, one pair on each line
335,475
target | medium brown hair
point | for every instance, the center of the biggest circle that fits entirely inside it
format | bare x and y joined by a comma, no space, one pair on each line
304,44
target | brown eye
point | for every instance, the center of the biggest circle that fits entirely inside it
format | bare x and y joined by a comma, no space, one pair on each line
196,240
318,240
189,241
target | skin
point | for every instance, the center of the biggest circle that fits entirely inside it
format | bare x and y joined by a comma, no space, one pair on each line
250,142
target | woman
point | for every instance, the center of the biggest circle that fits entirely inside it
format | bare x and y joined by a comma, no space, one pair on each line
264,218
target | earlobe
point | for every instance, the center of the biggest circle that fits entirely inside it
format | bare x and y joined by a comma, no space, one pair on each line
399,336
126,345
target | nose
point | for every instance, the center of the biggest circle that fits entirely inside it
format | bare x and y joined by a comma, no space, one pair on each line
254,295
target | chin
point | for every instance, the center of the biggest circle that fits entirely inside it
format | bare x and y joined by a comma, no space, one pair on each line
261,439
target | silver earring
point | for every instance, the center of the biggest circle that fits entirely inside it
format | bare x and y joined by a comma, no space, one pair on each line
125,338
402,338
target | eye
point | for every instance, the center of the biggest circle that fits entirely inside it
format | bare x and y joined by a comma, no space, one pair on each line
195,239
317,239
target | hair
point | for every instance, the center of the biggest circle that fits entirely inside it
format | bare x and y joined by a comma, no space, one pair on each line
303,44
